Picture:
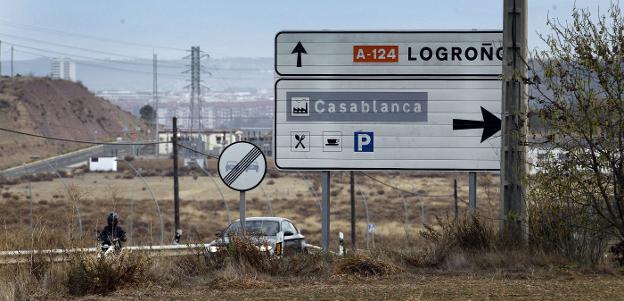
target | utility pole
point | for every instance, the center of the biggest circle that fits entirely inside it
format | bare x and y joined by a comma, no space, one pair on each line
176,185
155,101
195,120
0,57
514,121
195,107
352,182
11,61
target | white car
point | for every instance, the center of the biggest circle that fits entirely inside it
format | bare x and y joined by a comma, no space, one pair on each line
267,232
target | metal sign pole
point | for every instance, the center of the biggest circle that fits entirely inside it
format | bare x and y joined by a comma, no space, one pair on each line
472,192
353,243
241,207
325,211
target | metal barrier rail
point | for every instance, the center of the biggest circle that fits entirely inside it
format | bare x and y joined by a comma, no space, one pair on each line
60,255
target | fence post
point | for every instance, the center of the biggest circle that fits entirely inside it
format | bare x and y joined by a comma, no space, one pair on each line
455,198
472,192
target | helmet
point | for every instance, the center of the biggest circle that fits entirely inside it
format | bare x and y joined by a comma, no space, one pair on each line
113,218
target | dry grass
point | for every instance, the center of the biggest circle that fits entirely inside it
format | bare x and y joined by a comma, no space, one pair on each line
203,211
88,274
241,270
450,248
364,266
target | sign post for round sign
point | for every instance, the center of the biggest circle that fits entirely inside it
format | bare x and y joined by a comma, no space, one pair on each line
242,167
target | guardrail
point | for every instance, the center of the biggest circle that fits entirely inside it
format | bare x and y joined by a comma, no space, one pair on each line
60,255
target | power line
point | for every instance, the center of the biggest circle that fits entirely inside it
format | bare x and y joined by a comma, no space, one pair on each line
79,48
71,55
100,66
197,152
363,173
402,190
92,64
147,63
78,141
84,36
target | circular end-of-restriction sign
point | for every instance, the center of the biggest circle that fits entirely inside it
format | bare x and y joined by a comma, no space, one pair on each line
242,166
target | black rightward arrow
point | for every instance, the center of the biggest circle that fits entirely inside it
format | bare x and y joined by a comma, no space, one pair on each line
490,124
299,50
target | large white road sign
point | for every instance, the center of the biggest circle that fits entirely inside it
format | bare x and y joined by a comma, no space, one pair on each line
388,53
332,124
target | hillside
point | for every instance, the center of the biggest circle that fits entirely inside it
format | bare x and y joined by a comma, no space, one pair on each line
55,108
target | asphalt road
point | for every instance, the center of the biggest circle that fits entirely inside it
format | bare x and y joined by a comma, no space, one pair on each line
73,158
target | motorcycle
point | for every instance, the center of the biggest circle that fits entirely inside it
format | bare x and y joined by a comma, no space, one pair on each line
107,249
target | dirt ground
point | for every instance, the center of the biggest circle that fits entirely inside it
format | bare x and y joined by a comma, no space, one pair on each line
203,211
412,287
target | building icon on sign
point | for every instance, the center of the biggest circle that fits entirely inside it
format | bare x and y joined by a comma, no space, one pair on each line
63,68
300,106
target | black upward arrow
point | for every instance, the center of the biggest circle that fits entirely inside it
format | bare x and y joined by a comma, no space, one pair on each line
490,124
299,50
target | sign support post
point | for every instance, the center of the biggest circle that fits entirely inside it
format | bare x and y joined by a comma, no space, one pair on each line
472,192
325,210
241,208
352,180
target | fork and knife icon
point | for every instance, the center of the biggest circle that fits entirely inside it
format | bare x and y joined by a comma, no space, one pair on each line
299,140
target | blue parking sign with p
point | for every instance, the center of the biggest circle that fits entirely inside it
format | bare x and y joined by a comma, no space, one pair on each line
363,142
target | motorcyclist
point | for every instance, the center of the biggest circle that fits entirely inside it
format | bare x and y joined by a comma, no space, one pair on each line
112,234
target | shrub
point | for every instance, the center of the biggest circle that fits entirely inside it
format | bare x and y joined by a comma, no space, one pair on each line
243,256
560,223
618,253
91,275
467,233
364,266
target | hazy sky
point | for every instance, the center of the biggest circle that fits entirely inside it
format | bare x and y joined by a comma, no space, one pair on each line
244,28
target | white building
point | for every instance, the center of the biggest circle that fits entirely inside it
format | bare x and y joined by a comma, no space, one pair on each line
64,68
103,164
214,141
